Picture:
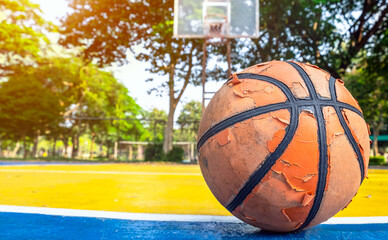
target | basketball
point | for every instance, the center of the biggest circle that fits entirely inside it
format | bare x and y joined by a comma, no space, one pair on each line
283,146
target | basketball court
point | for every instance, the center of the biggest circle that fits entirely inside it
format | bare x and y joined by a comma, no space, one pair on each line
152,201
42,200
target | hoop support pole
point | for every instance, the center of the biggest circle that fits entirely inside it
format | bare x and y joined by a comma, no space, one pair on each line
228,57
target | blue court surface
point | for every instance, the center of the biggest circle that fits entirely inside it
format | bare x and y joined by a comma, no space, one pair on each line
50,223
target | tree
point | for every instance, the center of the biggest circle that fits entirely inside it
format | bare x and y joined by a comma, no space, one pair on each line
28,106
106,30
370,90
36,99
156,122
51,99
369,85
114,102
21,34
330,34
188,120
101,96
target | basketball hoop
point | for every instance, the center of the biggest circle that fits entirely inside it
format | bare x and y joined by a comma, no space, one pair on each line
215,25
195,18
217,22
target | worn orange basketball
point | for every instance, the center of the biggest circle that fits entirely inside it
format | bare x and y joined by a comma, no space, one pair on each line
283,146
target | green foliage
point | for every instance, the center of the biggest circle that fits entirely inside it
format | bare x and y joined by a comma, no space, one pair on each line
188,121
155,125
106,30
190,115
154,152
121,25
377,160
30,102
103,96
56,97
369,85
22,37
52,99
371,92
175,155
330,34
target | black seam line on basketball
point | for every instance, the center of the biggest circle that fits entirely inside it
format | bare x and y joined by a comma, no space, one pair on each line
353,142
346,128
306,79
344,105
318,104
227,81
322,144
309,102
283,87
314,95
258,111
322,167
239,118
291,97
267,164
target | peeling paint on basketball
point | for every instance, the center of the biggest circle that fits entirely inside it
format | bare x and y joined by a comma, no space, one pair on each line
283,146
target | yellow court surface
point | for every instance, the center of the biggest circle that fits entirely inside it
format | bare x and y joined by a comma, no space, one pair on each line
144,188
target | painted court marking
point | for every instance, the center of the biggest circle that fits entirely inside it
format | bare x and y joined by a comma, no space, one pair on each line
98,172
164,217
117,215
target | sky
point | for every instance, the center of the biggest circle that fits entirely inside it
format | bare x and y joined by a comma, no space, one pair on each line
133,74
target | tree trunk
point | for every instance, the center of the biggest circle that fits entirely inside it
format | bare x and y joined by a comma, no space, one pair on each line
107,149
376,133
115,153
100,149
167,140
140,152
73,146
24,147
15,150
75,141
35,147
54,146
78,151
66,145
130,152
168,131
92,145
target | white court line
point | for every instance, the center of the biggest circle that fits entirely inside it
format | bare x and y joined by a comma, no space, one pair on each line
163,217
117,215
356,220
98,172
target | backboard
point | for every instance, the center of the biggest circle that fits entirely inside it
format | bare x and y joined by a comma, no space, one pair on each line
216,18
